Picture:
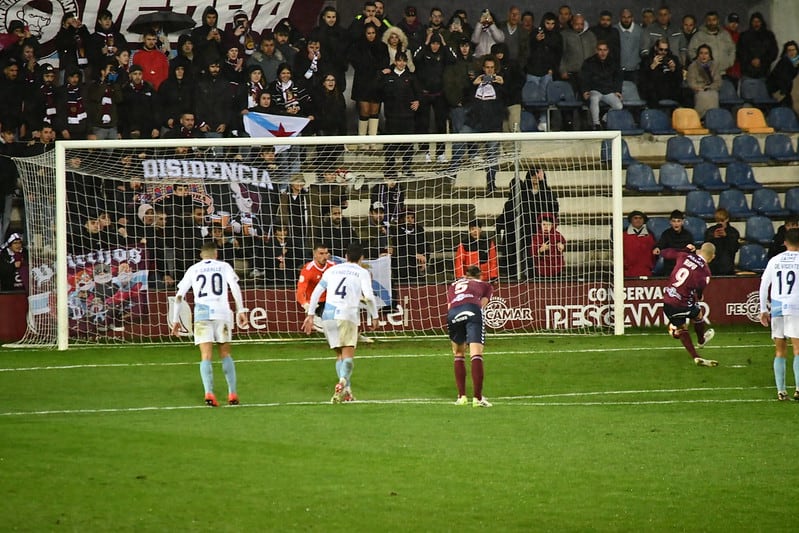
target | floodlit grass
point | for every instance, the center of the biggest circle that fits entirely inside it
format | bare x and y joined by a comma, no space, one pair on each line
586,434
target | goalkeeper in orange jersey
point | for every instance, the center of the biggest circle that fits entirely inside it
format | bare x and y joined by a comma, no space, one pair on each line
310,275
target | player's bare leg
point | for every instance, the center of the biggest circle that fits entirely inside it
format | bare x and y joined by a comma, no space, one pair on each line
458,351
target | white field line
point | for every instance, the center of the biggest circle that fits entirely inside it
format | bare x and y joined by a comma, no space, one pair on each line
377,356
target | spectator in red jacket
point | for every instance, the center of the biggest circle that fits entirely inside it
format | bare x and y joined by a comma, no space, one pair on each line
638,244
153,62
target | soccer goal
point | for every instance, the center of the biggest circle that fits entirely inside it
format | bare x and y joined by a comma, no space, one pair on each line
112,226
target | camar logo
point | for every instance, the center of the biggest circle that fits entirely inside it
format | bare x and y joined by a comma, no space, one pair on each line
497,313
42,17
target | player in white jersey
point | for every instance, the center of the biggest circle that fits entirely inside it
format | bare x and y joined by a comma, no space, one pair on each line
345,285
782,278
210,281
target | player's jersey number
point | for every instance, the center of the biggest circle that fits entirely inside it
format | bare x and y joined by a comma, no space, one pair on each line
216,285
790,280
341,290
461,286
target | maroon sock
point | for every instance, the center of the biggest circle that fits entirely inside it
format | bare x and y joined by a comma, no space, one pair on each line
699,328
685,339
460,375
477,376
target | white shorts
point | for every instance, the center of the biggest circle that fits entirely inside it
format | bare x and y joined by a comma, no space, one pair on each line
219,331
790,327
340,333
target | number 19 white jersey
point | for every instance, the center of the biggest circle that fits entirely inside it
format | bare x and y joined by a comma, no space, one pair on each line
210,281
345,284
782,275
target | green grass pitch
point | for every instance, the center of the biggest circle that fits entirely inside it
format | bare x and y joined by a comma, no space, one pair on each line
586,434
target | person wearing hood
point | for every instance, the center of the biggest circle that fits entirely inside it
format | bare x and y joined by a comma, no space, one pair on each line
13,264
103,98
207,37
756,50
213,100
105,41
514,78
175,95
397,41
242,35
187,58
638,242
72,119
545,51
268,57
547,248
72,42
311,63
233,64
431,60
477,249
334,40
780,81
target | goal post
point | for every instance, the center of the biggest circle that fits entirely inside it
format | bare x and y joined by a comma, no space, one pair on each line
112,225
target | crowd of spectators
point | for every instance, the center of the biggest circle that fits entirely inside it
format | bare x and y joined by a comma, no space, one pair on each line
432,72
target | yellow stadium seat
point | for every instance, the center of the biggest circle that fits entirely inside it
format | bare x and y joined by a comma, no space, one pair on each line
751,120
686,121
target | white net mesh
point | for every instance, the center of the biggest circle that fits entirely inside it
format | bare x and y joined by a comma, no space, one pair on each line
535,214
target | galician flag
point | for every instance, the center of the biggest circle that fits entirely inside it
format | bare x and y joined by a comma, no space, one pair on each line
265,125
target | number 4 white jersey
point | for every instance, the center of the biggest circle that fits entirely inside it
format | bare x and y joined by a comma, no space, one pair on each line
345,284
210,281
782,275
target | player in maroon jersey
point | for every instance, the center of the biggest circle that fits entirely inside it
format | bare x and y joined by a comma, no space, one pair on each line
682,294
466,298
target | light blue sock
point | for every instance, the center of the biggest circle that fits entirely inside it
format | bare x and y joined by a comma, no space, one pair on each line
207,373
346,368
338,368
796,370
230,373
779,373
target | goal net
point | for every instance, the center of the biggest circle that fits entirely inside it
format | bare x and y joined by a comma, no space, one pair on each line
113,225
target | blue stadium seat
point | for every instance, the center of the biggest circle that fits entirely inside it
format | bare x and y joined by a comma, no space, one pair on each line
759,229
783,119
533,96
720,121
529,123
713,149
622,120
700,204
697,227
656,122
707,176
792,200
754,91
657,225
681,150
752,258
728,95
674,178
741,176
561,95
766,202
734,201
746,148
630,96
605,153
779,148
640,178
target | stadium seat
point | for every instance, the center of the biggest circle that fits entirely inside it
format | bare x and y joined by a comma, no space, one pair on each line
561,95
720,121
755,92
707,176
792,200
750,120
534,100
630,96
779,148
728,95
783,119
656,122
734,201
759,229
697,227
713,149
528,121
674,178
700,204
606,152
686,121
741,176
681,150
622,120
640,178
746,148
766,202
657,225
752,258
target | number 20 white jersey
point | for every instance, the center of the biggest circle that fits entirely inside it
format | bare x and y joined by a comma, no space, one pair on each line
210,281
782,275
